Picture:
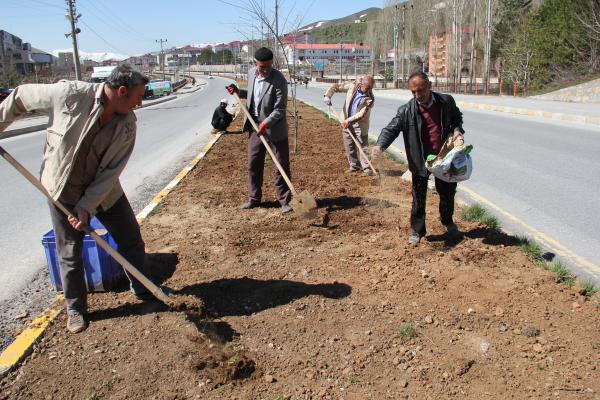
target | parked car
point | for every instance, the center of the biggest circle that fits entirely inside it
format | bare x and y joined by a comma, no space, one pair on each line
4,93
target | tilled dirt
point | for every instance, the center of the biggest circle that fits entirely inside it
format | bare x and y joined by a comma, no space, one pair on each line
338,307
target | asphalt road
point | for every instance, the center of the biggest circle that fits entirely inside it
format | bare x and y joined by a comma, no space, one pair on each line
169,135
539,177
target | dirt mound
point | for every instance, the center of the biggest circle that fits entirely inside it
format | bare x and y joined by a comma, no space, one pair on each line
338,307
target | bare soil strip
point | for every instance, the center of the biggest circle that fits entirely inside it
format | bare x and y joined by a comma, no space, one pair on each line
339,307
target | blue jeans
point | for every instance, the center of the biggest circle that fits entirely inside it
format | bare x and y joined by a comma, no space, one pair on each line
121,223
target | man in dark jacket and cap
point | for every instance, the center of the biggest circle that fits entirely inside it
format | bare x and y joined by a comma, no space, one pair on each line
426,122
267,103
221,118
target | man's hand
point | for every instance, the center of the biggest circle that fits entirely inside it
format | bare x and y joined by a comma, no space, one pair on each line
458,137
262,128
83,217
232,89
345,124
327,100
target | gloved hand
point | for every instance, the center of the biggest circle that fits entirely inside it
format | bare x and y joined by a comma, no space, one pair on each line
232,89
262,128
327,100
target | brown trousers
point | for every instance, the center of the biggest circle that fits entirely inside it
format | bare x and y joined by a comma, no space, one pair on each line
355,159
256,165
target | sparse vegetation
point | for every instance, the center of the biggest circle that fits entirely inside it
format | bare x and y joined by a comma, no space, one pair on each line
476,213
562,273
407,331
589,288
532,249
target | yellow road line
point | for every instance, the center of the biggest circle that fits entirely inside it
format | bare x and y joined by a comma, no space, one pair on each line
20,348
553,244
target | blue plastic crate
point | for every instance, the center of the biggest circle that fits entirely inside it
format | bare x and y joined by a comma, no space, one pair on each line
102,273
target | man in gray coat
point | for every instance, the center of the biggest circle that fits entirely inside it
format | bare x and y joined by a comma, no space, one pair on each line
88,143
267,102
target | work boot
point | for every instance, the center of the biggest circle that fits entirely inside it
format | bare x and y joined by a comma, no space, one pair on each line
286,208
76,322
368,172
414,238
352,170
249,204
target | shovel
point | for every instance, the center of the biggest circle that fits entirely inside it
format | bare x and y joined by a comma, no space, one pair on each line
303,203
358,145
171,301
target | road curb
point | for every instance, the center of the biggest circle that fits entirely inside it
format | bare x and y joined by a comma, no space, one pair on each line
23,344
528,112
525,112
38,127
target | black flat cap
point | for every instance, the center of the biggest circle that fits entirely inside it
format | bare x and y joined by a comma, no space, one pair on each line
263,54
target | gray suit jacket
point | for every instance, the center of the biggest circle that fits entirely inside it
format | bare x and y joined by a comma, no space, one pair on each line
272,104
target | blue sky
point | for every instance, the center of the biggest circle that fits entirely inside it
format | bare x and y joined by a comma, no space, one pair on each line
132,26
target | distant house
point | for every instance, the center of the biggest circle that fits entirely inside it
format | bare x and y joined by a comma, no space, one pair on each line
324,53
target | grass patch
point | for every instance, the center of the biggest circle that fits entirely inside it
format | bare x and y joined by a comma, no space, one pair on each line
589,287
532,249
476,213
407,331
562,273
351,381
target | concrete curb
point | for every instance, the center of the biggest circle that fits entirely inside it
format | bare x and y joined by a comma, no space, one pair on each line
526,112
23,344
38,127
532,113
22,131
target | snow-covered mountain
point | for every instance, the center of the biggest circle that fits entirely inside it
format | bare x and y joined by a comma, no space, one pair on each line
96,56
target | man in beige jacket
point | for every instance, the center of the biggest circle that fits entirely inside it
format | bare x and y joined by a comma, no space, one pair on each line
355,118
89,139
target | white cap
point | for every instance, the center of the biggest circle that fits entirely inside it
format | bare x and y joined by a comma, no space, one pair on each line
224,101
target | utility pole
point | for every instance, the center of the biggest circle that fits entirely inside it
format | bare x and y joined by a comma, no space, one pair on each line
473,40
72,16
455,34
162,53
488,46
276,19
403,40
395,74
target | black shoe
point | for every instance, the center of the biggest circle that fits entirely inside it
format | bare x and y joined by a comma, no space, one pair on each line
286,208
453,232
249,204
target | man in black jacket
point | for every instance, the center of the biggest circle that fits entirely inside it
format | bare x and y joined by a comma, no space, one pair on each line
221,118
426,122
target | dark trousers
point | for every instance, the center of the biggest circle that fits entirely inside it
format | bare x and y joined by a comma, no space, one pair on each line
256,166
446,192
121,223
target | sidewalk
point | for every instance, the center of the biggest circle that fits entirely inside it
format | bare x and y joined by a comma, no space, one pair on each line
555,110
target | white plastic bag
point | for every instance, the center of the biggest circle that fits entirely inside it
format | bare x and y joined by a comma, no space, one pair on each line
453,164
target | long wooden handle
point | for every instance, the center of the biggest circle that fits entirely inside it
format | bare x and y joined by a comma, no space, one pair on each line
358,145
148,284
266,144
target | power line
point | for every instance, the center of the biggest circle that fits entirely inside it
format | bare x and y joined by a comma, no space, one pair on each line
104,40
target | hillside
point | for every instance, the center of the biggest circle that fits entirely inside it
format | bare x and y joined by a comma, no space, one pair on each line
345,29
